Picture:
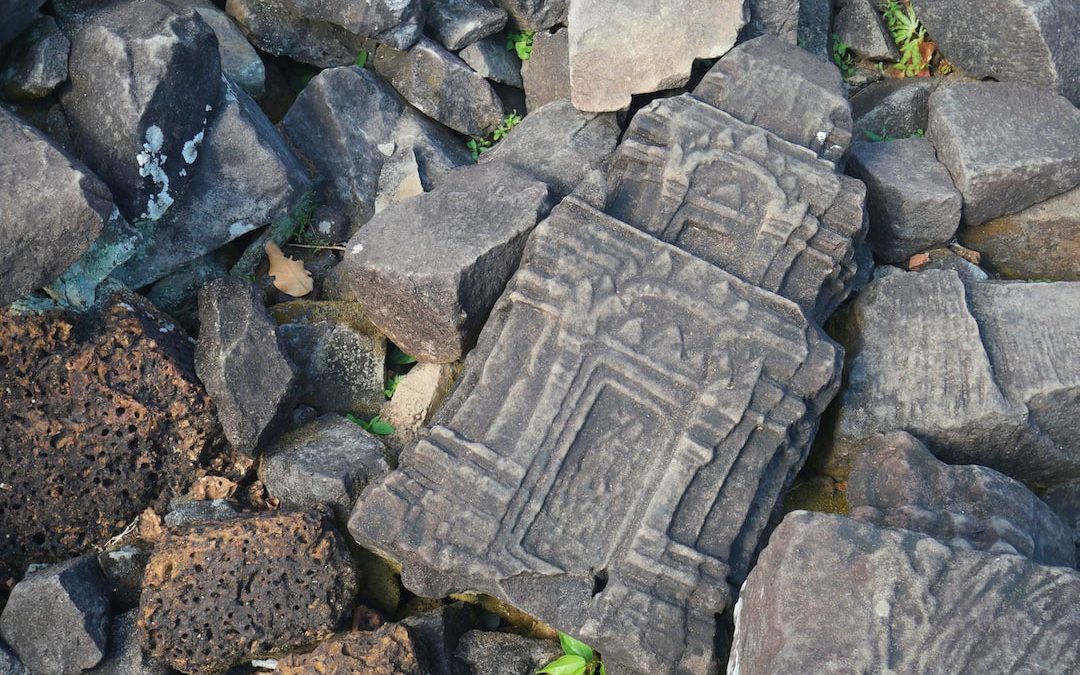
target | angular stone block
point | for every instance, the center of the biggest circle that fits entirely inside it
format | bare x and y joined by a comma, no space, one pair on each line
832,595
802,101
815,23
125,656
490,653
490,58
896,482
768,211
278,27
773,17
672,32
419,394
535,15
859,25
545,75
624,450
460,23
35,63
239,60
1006,144
910,197
893,108
397,23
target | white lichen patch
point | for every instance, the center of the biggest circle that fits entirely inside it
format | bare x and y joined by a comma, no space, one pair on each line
191,148
152,165
356,249
386,148
324,227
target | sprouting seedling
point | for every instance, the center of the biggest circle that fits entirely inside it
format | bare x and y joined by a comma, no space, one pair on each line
375,425
479,145
578,659
521,43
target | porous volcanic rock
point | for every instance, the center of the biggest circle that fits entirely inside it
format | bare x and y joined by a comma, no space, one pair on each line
390,650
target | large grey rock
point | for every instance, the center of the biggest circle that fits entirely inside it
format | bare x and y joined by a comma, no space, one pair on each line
245,177
559,145
984,373
896,482
239,60
459,23
360,136
57,619
397,23
545,75
278,27
1031,41
892,108
328,461
910,197
603,76
1007,145
491,59
768,211
428,270
535,15
773,17
125,656
783,89
859,25
35,63
441,86
243,365
491,653
18,14
832,595
53,208
145,80
612,434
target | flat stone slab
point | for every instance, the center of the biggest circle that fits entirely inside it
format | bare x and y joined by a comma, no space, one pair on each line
768,211
623,449
832,595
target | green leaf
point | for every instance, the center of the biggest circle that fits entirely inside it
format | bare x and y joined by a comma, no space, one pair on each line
571,645
391,386
380,427
361,59
571,664
400,358
603,670
356,420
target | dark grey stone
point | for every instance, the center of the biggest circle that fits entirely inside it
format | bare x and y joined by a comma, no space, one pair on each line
490,653
10,664
36,62
983,373
773,17
612,434
859,25
892,108
57,618
397,23
604,75
441,86
243,365
1065,501
545,75
245,177
1007,145
559,145
768,211
802,102
54,207
362,138
460,23
491,59
184,512
239,60
535,15
278,27
438,632
815,22
910,197
1031,41
178,293
328,461
18,15
125,656
830,594
428,270
145,80
123,568
896,482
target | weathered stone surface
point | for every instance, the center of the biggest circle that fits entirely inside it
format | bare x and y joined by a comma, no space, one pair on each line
773,17
815,23
1032,41
359,135
559,145
328,461
910,197
802,99
893,108
418,396
858,24
427,270
35,63
490,653
86,281
830,594
144,82
178,293
184,511
18,14
439,631
278,27
123,569
545,74
735,195
1040,242
53,208
397,23
672,33
10,664
242,362
57,619
535,15
288,580
125,656
102,417
239,60
441,86
491,59
983,373
1007,145
610,336
460,23
896,482
390,650
1065,501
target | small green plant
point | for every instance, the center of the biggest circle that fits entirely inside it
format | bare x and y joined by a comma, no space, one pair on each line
910,37
884,135
520,42
578,659
391,386
477,146
842,56
375,425
361,58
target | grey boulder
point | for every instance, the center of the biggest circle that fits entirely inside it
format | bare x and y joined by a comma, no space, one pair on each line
397,23
460,23
279,27
57,619
773,17
545,75
54,208
912,202
36,63
491,653
1006,144
892,108
428,270
491,59
535,15
239,60
859,25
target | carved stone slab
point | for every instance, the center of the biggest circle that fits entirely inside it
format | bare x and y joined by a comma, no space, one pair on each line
766,210
615,448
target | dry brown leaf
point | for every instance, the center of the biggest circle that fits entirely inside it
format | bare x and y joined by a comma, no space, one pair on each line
918,261
289,275
150,527
212,487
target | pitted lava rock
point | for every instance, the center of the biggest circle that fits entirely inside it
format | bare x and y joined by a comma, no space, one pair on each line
219,593
101,416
